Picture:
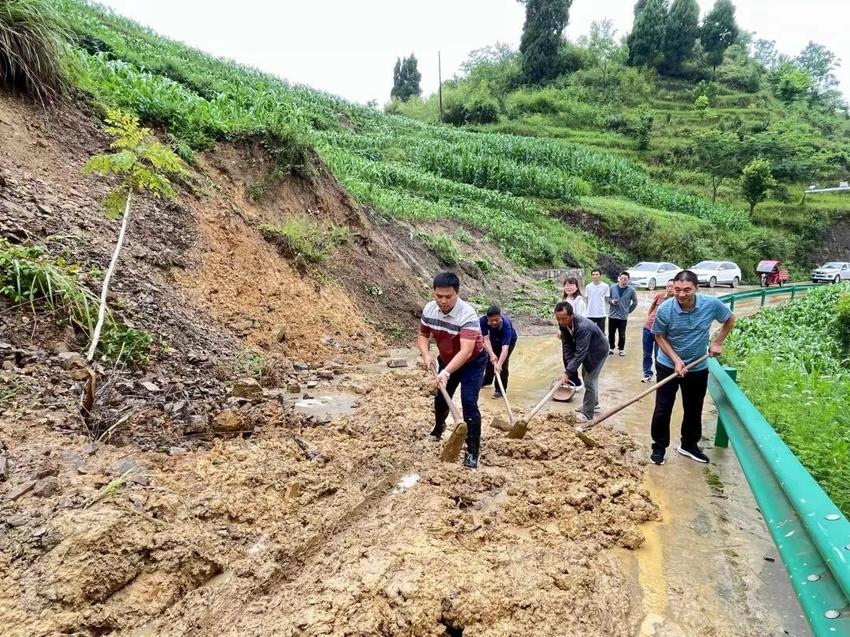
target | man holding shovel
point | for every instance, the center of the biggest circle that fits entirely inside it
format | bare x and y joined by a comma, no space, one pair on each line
681,330
454,325
500,338
583,346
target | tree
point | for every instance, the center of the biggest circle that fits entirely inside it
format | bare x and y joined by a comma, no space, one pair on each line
819,62
765,53
701,104
718,32
790,82
646,41
716,153
680,33
144,165
545,21
406,78
756,181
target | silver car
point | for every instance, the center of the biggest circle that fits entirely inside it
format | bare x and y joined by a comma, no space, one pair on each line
832,272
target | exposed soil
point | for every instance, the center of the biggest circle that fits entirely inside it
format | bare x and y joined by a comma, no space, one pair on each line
260,537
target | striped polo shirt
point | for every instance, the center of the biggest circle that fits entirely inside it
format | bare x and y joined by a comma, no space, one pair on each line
448,329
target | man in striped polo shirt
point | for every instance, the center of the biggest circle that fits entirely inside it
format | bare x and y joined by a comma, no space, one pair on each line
454,325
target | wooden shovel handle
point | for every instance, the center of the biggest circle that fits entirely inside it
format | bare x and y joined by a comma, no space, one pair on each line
505,397
646,392
455,415
543,402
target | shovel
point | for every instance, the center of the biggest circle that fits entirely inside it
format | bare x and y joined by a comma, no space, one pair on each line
454,444
640,396
498,421
521,426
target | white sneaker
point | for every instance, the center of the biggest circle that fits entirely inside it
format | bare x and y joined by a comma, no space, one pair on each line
646,379
622,352
580,417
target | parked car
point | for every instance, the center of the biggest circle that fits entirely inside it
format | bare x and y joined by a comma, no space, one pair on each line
832,272
650,275
712,273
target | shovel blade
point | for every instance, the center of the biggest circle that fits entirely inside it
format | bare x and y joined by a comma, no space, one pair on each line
501,424
589,442
451,450
519,430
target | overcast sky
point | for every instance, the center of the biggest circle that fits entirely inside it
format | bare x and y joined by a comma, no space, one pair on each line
349,47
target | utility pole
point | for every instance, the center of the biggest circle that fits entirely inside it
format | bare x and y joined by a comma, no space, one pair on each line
440,81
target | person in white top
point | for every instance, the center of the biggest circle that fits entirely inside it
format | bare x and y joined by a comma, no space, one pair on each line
573,294
597,294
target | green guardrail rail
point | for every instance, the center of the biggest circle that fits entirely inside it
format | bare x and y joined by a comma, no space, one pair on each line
810,532
763,293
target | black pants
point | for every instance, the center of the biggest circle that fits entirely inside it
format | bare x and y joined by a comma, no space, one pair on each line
600,322
469,378
693,385
615,326
490,373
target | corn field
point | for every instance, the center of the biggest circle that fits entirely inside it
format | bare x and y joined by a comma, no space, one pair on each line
503,185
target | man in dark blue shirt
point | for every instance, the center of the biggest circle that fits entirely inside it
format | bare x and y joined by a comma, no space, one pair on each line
499,340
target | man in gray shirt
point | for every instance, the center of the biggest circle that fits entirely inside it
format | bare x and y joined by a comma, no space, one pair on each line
621,303
583,347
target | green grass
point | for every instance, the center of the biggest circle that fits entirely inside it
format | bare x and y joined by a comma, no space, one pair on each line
29,277
33,38
302,238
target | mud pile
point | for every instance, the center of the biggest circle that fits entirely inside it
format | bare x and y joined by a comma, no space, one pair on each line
352,528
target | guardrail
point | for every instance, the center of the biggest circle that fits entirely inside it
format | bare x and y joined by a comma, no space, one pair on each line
763,293
811,534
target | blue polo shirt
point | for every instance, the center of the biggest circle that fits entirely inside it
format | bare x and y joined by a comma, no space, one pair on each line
688,332
504,336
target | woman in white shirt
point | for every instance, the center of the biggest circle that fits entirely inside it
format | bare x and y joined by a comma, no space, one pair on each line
572,293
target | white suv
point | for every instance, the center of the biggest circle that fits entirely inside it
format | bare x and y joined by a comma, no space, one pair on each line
832,272
712,273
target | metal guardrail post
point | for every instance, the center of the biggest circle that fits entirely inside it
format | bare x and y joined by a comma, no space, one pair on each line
763,295
721,436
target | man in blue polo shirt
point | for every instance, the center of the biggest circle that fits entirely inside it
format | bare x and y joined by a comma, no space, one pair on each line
499,340
681,330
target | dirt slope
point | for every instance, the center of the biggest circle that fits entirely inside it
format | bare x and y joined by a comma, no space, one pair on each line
199,512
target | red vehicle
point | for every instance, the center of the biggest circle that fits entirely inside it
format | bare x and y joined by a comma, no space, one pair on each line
769,273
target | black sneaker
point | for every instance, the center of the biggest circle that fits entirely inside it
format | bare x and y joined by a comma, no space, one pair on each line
497,394
470,461
610,352
657,456
694,453
436,433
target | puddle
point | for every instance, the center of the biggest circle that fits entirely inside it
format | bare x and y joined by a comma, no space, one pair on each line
331,405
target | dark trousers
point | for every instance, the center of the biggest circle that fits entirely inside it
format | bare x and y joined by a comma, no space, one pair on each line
469,378
600,322
490,373
616,326
649,348
693,385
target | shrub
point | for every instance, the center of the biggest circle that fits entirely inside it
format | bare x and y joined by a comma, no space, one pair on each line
33,36
442,246
304,239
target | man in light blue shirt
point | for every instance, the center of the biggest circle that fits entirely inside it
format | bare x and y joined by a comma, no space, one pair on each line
681,330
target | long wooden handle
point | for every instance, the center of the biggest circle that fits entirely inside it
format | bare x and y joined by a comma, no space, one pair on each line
505,397
646,392
455,415
543,402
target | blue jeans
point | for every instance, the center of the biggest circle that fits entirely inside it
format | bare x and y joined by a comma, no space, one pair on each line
469,377
649,348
